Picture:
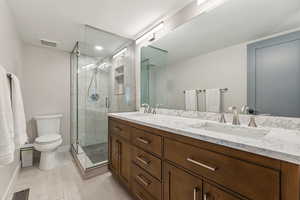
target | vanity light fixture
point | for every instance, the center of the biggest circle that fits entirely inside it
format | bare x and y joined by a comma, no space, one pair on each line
208,5
199,2
99,48
150,33
88,66
120,53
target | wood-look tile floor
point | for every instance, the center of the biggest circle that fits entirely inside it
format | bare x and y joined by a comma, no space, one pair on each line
65,183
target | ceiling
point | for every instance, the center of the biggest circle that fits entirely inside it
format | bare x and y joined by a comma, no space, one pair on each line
234,22
110,43
63,20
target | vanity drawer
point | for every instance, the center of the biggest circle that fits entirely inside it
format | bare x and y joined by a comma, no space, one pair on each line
140,192
147,141
150,184
119,129
250,180
146,161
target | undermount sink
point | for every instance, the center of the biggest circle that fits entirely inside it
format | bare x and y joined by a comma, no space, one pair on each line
232,129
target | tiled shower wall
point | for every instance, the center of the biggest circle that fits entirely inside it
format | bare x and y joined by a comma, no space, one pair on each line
92,119
125,102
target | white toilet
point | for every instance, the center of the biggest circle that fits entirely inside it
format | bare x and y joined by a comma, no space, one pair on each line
48,140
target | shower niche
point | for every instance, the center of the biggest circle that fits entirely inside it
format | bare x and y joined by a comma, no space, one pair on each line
119,80
97,87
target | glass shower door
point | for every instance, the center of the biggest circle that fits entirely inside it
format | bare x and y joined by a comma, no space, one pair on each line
93,109
153,76
93,67
90,87
74,97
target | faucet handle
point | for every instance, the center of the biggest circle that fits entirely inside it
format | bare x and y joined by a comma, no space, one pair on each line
222,118
232,108
235,118
155,108
252,122
146,107
245,109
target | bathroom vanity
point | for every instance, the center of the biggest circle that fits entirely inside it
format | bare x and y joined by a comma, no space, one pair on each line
173,158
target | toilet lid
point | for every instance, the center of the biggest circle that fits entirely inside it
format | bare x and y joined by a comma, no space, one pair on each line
48,138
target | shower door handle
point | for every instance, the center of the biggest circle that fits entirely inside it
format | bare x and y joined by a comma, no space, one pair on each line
106,102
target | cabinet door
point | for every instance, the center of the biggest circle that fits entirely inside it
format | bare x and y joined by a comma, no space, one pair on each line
114,146
124,161
211,192
179,185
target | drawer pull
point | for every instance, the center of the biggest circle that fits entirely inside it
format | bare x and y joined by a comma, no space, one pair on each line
139,196
142,140
201,164
143,180
117,128
142,160
195,193
205,196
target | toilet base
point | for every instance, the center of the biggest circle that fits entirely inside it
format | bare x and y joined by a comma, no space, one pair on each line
48,160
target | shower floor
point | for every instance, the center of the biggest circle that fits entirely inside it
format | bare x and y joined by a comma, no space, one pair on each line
97,152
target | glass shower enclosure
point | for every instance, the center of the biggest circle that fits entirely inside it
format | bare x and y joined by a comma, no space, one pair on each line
92,94
154,76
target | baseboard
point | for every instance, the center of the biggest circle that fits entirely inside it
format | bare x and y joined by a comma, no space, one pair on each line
64,148
9,189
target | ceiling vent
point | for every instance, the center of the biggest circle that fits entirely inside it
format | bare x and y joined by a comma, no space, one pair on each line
48,43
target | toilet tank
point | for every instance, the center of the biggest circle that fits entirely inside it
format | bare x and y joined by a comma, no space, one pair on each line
48,124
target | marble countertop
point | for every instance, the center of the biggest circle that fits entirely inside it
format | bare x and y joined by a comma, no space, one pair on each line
281,144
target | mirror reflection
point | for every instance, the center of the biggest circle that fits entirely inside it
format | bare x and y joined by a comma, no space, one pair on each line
227,58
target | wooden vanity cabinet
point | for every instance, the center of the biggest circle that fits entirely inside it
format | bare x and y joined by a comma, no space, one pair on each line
211,192
157,165
114,154
179,185
120,158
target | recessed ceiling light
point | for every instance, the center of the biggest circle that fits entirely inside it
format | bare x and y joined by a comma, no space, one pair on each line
99,48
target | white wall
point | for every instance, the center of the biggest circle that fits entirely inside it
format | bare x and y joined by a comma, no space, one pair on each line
46,78
225,68
11,59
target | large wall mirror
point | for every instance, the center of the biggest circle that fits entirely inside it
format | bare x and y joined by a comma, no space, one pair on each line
244,53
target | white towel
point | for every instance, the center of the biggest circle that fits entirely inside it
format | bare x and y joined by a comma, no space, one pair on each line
191,100
7,147
213,100
18,113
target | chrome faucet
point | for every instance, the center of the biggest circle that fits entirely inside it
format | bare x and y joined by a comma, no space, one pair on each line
155,108
222,118
235,119
252,122
147,108
246,110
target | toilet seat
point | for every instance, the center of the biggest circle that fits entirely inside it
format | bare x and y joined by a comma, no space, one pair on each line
48,139
46,143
